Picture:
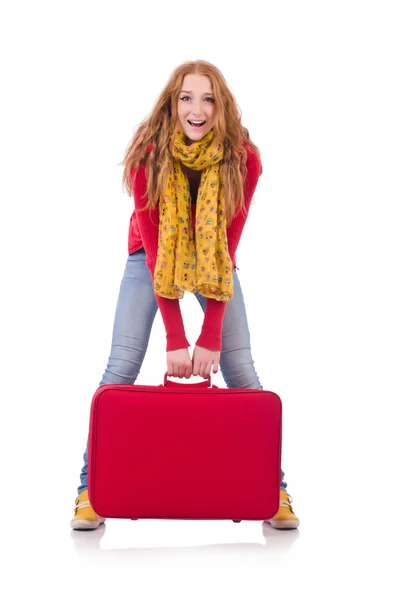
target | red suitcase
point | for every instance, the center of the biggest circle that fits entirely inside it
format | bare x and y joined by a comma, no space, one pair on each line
184,451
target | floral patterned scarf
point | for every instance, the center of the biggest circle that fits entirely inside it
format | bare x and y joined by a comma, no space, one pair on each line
193,260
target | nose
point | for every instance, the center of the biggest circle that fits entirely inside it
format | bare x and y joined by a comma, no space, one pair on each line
196,109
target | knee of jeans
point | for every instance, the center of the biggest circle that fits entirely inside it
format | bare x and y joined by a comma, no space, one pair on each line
240,374
123,369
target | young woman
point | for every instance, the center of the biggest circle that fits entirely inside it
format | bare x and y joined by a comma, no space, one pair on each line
192,170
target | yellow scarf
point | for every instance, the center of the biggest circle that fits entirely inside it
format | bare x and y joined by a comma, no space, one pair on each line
187,260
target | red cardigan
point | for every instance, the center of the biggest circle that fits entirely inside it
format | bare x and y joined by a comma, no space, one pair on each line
143,232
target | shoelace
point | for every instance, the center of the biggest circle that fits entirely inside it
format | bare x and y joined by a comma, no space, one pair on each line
82,505
287,503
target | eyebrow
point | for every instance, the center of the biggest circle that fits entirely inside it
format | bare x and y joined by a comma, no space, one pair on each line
190,92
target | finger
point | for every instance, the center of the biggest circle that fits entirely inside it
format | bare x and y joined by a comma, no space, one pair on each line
188,370
170,370
215,366
207,370
180,371
196,367
202,369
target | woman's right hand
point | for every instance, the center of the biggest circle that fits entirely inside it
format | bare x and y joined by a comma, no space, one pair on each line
179,363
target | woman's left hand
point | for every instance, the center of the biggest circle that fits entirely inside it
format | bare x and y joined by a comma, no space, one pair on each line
204,360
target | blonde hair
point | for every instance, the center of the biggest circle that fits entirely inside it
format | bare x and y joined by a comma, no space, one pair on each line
159,128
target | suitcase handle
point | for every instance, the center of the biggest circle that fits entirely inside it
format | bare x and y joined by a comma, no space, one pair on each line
203,384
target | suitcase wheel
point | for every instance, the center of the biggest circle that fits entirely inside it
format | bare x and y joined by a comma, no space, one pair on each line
133,519
236,520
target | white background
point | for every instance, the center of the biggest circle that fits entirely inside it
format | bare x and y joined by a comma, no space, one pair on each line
316,83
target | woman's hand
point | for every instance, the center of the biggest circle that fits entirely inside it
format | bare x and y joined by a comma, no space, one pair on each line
179,363
204,360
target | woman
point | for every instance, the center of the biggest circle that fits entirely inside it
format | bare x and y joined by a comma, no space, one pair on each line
192,170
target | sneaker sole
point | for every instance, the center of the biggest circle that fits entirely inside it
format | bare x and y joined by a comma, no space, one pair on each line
86,524
292,524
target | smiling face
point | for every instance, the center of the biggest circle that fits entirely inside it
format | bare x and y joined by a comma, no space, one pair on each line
196,107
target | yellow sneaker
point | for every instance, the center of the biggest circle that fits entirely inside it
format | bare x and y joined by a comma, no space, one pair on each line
285,517
84,515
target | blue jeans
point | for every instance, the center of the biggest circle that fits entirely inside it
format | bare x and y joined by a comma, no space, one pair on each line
135,312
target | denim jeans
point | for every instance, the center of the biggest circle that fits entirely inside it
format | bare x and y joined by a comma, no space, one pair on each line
135,312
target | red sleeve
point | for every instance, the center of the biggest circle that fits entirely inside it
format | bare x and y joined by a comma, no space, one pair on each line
211,333
148,222
236,227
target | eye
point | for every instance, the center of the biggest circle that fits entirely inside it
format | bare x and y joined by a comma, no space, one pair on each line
183,97
210,99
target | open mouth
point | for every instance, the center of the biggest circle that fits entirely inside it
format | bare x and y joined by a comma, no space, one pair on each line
196,124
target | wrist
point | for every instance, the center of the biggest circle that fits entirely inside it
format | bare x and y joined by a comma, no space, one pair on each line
210,340
176,343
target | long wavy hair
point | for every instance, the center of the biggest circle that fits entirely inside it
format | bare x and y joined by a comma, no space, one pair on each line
159,129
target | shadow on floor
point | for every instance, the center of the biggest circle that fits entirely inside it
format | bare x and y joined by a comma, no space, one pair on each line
275,542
